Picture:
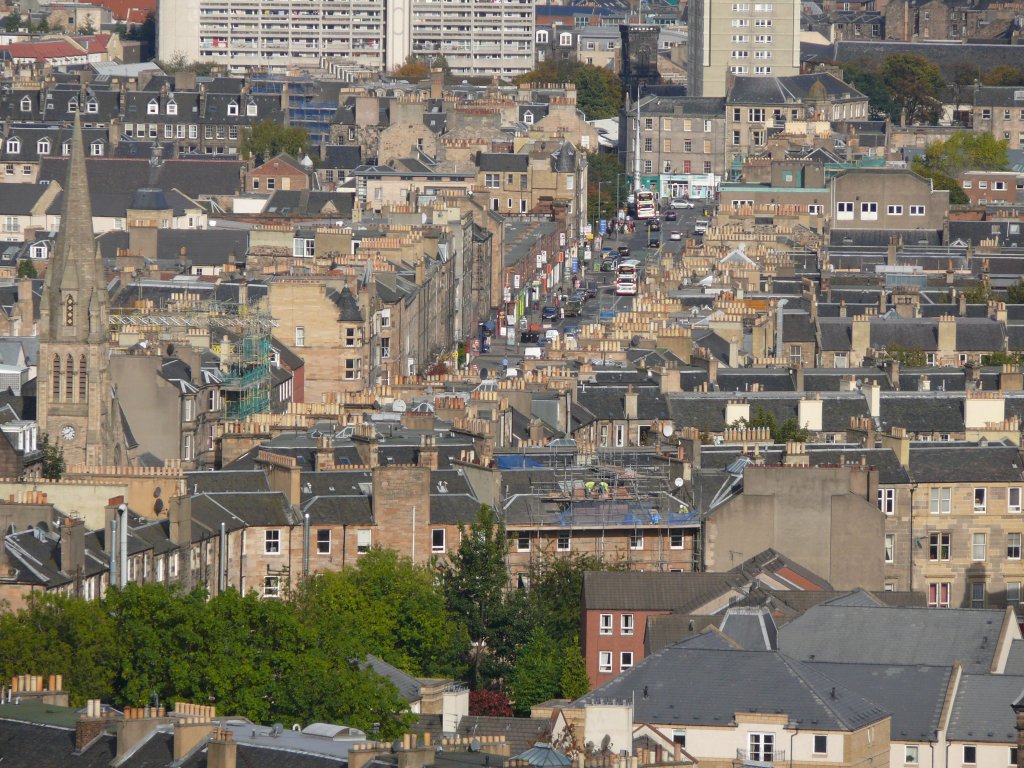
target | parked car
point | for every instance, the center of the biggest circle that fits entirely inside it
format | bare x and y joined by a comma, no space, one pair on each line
701,226
529,337
675,236
549,313
571,330
671,216
654,243
572,309
681,202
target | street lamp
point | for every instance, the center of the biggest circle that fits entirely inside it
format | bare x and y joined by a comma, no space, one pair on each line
599,211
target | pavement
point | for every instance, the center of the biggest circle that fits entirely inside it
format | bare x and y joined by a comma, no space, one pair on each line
502,353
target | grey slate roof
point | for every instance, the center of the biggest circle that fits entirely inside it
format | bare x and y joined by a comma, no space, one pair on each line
521,733
407,685
981,709
926,412
914,695
753,629
960,463
502,162
681,685
894,636
786,90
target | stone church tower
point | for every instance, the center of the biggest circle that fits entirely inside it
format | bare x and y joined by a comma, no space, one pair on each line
76,404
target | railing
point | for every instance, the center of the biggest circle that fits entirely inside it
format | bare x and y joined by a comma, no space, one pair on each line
762,756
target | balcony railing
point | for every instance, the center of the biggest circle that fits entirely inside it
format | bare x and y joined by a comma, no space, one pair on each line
762,756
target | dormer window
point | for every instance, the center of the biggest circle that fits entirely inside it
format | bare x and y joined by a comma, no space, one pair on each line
250,109
565,38
73,106
528,117
232,108
153,108
92,107
43,147
14,146
542,35
96,149
65,148
172,107
26,104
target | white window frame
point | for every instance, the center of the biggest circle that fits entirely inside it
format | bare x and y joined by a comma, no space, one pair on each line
673,534
940,501
563,542
604,661
979,546
910,754
917,210
300,336
626,624
844,210
606,624
761,746
232,108
825,738
153,107
869,210
895,210
435,547
364,540
523,542
1013,499
887,500
1013,545
980,506
272,542
625,660
271,586
890,547
319,548
172,107
636,541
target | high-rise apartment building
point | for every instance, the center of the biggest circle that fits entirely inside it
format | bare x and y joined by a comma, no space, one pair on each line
477,37
741,39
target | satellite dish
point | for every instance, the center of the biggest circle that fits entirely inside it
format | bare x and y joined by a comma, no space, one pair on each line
158,506
678,482
398,406
474,745
667,430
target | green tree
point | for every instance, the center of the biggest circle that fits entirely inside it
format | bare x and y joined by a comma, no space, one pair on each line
606,170
556,589
53,459
912,357
942,180
869,81
1015,293
414,68
473,580
914,83
598,90
1002,358
574,679
788,431
537,674
12,22
1004,75
87,28
978,294
27,269
268,139
967,151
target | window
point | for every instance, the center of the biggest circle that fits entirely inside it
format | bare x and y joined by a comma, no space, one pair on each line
363,540
675,538
13,146
979,545
762,70
627,624
917,210
844,210
300,336
271,183
606,623
1013,593
895,210
352,369
648,145
977,597
620,435
350,337
604,661
570,182
492,180
968,184
737,138
869,211
172,108
187,407
153,107
232,108
636,540
910,754
741,22
648,124
625,660
523,542
96,149
1013,546
272,542
323,541
890,547
762,23
437,540
939,503
1013,756
679,737
43,147
271,586
193,131
563,542
938,596
1013,499
887,500
938,546
820,744
26,104
982,185
980,498
648,166
250,109
762,747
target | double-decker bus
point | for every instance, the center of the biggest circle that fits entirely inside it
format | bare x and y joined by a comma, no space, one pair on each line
627,277
646,208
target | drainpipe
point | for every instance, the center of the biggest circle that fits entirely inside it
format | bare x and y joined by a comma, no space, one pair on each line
913,544
414,533
113,553
305,545
222,581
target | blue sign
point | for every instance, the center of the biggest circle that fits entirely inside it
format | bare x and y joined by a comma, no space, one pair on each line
575,265
603,227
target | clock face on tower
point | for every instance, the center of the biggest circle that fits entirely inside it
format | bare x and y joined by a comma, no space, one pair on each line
68,432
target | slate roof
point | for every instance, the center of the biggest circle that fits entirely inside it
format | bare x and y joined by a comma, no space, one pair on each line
959,463
503,161
914,695
521,733
982,709
925,412
895,636
682,685
786,90
753,629
707,412
19,199
950,58
407,685
194,178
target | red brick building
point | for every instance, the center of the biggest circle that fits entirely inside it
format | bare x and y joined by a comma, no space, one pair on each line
281,172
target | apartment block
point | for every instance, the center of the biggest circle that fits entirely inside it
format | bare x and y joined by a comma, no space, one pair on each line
741,39
476,38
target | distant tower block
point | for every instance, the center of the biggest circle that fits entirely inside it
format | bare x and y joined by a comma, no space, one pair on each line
639,56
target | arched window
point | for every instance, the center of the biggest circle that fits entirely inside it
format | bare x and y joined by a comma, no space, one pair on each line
83,379
69,310
55,378
69,380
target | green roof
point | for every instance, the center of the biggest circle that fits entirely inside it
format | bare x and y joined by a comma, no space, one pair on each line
40,713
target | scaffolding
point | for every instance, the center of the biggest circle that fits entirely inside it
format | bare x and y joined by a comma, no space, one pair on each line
238,334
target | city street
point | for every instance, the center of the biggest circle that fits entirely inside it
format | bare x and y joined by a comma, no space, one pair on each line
493,361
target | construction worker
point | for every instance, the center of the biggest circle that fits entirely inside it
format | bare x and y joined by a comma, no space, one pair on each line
588,488
604,488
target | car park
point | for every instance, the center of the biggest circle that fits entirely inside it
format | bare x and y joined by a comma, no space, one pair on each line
549,313
681,202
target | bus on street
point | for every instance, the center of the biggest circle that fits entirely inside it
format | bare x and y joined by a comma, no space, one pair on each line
646,207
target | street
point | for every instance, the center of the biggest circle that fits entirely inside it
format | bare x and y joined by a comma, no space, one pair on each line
494,361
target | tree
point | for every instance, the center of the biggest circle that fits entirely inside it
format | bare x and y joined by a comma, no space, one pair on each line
978,294
87,28
914,83
414,68
537,674
912,357
484,702
1015,293
1004,75
789,431
12,22
941,180
967,151
473,580
605,174
1002,358
598,91
574,680
868,81
27,269
53,459
556,588
269,139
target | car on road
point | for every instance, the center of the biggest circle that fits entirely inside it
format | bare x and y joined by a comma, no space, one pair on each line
572,309
592,288
608,265
529,337
571,330
701,226
654,243
580,295
654,226
624,251
549,313
681,202
675,236
671,216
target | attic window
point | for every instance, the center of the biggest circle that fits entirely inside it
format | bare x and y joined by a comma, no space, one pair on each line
233,108
73,106
65,148
172,107
14,146
92,106
96,149
153,108
26,104
250,109
528,117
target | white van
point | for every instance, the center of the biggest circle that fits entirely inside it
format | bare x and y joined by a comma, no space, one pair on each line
532,352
